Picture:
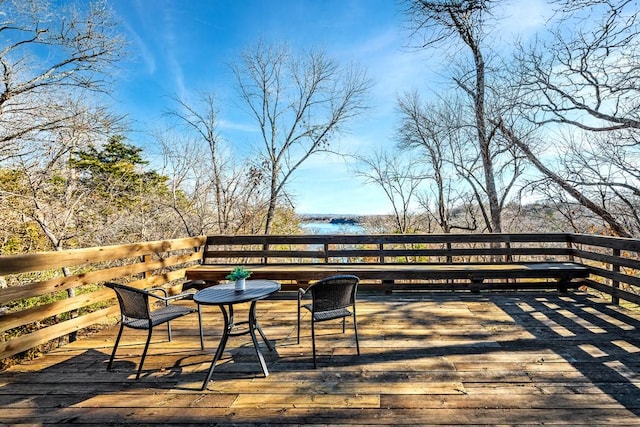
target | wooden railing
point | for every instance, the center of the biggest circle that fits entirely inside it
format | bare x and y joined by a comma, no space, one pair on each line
388,248
614,264
40,304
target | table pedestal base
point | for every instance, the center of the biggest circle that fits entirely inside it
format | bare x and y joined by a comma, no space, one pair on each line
229,325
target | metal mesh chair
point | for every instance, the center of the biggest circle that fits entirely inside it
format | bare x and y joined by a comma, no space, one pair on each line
137,314
331,299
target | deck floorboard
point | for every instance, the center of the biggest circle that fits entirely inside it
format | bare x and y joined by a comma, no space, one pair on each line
426,359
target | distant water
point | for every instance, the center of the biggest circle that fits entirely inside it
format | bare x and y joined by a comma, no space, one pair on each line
329,228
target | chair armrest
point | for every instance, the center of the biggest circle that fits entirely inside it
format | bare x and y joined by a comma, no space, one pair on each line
151,291
188,294
194,284
162,298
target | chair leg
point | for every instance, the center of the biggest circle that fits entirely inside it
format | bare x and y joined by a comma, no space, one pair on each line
313,340
115,347
355,328
344,324
200,325
169,336
144,353
298,321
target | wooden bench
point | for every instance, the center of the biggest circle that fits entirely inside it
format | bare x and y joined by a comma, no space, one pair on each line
399,262
399,276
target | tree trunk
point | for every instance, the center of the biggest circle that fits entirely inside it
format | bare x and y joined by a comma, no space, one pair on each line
618,228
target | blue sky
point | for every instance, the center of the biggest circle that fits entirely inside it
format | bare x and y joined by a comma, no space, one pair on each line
183,47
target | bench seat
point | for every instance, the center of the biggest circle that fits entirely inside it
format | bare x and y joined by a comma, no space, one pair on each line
564,273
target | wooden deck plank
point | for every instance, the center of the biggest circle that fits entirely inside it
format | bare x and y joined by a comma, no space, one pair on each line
436,359
340,416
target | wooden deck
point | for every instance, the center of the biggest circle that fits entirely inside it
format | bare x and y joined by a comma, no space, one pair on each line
429,359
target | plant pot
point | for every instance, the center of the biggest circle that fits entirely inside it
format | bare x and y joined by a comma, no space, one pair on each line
240,284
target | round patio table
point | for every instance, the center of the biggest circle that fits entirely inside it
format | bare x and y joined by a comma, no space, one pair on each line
225,296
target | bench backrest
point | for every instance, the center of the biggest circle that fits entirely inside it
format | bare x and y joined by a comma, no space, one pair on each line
385,248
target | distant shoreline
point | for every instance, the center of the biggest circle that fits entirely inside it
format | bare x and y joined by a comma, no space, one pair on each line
332,219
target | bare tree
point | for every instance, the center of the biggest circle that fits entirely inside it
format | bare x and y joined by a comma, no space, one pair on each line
438,23
189,180
49,56
434,132
219,187
300,102
399,177
564,183
586,83
587,78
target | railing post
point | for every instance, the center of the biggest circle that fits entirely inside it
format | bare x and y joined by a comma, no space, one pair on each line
325,246
507,245
265,248
197,249
387,285
615,299
570,247
145,259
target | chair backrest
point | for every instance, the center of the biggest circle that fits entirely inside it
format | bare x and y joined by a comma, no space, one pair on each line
334,292
134,303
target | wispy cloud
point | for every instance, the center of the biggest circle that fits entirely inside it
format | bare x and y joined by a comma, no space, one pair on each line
171,49
140,48
230,125
146,55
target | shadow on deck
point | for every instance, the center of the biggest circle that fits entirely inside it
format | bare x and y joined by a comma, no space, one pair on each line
427,359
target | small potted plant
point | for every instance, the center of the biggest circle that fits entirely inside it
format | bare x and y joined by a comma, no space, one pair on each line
238,275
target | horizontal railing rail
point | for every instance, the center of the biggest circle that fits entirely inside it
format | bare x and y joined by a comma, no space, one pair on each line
41,304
